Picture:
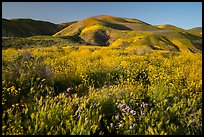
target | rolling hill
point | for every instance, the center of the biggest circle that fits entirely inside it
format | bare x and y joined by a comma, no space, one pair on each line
169,27
104,30
196,31
27,27
106,21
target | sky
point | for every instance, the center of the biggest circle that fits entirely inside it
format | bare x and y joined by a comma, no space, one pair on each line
186,15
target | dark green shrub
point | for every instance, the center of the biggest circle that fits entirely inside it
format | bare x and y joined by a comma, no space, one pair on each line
27,76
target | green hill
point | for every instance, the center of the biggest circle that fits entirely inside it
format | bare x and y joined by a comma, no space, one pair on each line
196,31
170,27
106,21
119,32
27,27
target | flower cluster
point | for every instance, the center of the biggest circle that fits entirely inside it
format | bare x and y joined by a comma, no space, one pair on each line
126,109
144,105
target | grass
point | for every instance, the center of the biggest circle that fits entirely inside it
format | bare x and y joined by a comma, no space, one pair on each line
93,90
37,41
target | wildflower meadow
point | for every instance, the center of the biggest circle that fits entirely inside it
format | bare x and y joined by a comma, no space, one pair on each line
96,90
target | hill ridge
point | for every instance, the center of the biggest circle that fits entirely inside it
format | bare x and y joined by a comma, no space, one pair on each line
116,32
24,27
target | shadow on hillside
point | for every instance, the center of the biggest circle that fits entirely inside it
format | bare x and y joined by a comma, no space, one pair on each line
101,38
115,26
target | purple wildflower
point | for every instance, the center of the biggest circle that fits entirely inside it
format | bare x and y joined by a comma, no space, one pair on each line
127,108
117,117
120,125
111,124
133,112
121,105
86,119
68,90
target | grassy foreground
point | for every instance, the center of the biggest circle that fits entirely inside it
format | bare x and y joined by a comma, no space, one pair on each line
100,90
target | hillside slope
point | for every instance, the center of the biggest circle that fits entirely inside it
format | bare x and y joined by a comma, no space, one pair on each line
27,27
66,24
196,31
106,21
169,27
119,32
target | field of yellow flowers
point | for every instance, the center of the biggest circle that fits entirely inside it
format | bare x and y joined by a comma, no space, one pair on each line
83,90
